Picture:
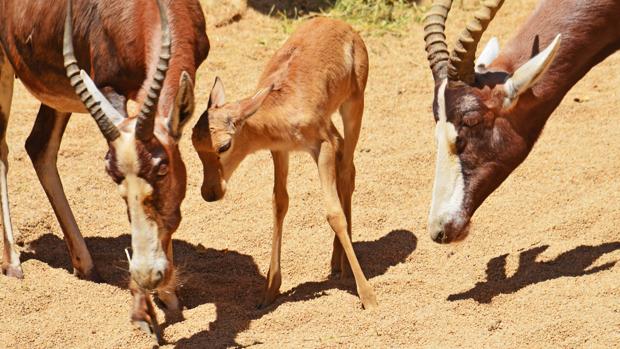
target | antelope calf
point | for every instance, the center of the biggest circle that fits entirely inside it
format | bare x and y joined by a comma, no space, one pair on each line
322,68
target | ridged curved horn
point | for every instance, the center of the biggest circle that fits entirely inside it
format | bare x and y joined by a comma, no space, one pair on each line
107,127
435,37
461,66
146,119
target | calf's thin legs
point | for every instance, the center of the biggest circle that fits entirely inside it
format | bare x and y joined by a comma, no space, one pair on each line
280,208
351,111
326,161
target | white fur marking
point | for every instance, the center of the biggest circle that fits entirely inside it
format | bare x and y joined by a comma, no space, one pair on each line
6,96
448,188
348,56
6,219
148,253
488,55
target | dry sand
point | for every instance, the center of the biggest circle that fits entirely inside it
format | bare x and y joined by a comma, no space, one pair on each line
538,270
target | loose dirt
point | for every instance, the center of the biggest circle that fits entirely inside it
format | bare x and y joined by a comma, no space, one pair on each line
538,270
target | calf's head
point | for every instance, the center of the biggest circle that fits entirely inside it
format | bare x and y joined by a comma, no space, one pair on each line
143,159
215,137
478,119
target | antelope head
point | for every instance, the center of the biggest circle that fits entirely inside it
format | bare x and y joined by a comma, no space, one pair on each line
216,137
143,159
479,130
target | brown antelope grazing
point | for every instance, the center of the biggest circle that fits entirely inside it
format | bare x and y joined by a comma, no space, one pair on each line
126,50
322,68
489,113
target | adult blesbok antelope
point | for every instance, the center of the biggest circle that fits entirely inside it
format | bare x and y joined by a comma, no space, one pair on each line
126,47
323,67
489,113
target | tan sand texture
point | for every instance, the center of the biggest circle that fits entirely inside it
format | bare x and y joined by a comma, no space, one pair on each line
538,269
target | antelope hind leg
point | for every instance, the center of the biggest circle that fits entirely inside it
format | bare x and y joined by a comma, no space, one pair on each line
326,161
11,265
42,146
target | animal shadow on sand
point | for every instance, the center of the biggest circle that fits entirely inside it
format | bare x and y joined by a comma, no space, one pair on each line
573,263
228,279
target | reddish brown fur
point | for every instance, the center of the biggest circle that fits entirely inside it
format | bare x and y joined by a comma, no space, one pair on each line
322,68
115,56
117,42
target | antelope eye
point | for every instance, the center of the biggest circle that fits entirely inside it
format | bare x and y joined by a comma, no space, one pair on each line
162,170
118,179
461,142
224,148
472,119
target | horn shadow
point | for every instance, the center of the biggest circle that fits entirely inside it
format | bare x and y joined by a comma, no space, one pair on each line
574,263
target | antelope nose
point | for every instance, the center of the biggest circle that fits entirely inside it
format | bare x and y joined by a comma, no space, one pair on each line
439,236
148,279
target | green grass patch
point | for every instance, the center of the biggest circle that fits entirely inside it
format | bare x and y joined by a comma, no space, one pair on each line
378,16
370,16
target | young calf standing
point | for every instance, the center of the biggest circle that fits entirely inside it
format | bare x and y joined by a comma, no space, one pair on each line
322,68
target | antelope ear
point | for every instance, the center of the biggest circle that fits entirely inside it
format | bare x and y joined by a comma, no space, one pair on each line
488,55
108,109
250,106
183,108
529,73
218,95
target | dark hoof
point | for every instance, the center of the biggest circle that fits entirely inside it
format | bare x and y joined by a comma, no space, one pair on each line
266,303
13,271
150,329
173,314
334,275
369,300
346,274
91,275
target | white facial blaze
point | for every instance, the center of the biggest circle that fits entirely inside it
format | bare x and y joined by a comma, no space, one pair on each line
448,188
148,253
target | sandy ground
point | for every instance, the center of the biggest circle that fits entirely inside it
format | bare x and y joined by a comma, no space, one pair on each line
538,270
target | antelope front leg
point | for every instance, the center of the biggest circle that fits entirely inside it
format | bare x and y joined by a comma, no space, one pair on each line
326,161
280,207
143,314
10,261
11,265
42,147
167,292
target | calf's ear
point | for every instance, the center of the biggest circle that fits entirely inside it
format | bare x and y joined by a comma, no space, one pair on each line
250,106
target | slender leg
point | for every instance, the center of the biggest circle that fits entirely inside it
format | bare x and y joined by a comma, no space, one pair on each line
351,111
11,265
280,207
166,296
326,161
346,185
143,314
42,147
